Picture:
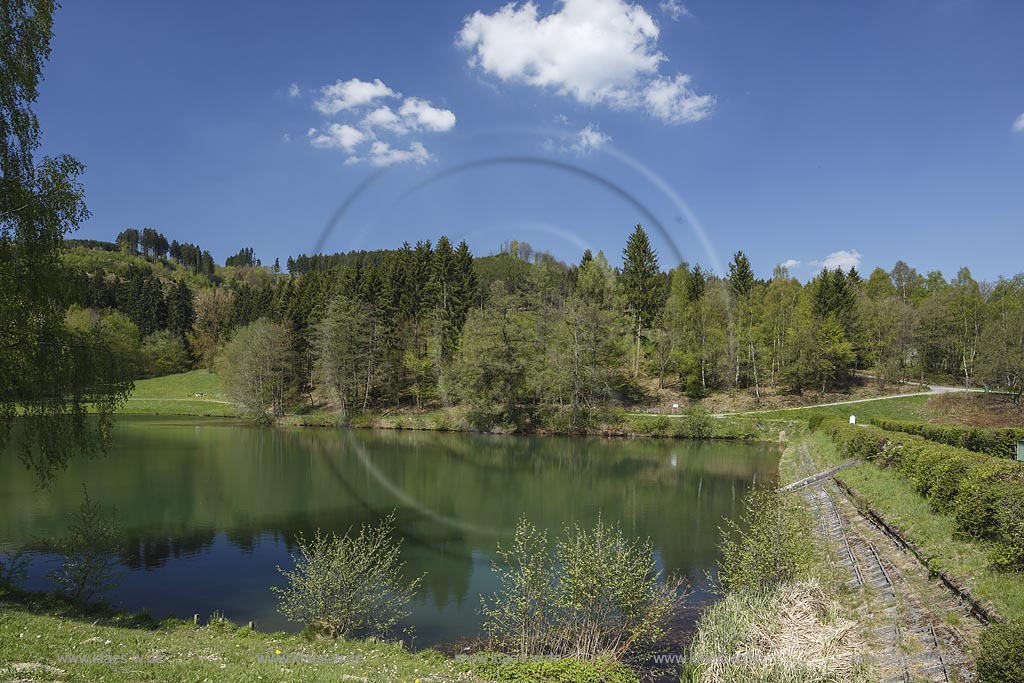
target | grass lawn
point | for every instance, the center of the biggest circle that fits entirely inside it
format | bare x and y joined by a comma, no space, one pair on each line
44,639
176,395
912,408
892,496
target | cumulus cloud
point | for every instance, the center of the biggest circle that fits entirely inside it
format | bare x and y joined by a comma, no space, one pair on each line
839,259
336,136
589,139
790,263
370,120
672,100
293,90
420,115
351,94
1018,125
596,51
674,9
383,154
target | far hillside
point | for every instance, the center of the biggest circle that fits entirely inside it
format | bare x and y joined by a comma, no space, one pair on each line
520,340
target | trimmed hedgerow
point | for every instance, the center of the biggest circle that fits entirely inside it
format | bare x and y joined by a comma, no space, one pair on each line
1001,443
1001,653
984,495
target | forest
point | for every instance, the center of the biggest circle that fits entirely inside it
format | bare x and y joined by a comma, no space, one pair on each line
523,339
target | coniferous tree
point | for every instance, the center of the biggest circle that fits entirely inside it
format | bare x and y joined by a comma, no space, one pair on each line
641,286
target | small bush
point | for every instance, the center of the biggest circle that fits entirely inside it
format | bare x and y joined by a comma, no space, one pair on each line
556,671
597,597
699,423
1001,653
769,546
88,566
349,584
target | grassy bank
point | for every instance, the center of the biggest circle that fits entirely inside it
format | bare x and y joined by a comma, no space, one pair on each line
616,424
913,407
46,639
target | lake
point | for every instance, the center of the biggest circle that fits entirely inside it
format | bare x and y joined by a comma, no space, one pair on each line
209,508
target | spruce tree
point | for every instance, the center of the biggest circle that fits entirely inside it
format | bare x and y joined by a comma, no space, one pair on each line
641,286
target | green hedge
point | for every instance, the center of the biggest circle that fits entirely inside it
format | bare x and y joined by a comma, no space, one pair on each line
998,442
983,495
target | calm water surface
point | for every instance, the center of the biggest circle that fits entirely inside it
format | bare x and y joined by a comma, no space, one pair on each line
209,508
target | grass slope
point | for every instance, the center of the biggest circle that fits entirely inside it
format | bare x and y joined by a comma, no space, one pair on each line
903,408
45,639
176,395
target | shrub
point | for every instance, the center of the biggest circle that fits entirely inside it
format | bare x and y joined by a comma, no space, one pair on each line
1001,443
769,546
556,671
699,423
88,566
596,597
349,584
1001,653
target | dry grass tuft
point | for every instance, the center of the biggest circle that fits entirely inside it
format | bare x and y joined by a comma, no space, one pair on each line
794,633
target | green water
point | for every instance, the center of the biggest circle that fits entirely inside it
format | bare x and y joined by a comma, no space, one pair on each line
209,507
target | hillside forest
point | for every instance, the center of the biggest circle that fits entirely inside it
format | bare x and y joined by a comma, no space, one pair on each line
521,338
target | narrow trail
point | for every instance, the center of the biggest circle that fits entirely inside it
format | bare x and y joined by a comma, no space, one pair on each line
917,630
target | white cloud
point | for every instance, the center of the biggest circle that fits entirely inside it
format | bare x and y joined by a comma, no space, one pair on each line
352,98
674,9
561,119
383,154
286,138
384,117
790,263
674,101
1018,125
337,136
839,259
596,51
351,94
293,90
420,115
589,139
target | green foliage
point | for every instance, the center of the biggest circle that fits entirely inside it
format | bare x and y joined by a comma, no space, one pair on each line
598,596
769,546
89,562
1001,443
349,584
344,347
511,670
46,370
984,495
1001,653
256,365
163,353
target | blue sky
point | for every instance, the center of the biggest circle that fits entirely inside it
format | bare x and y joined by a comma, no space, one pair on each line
869,131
